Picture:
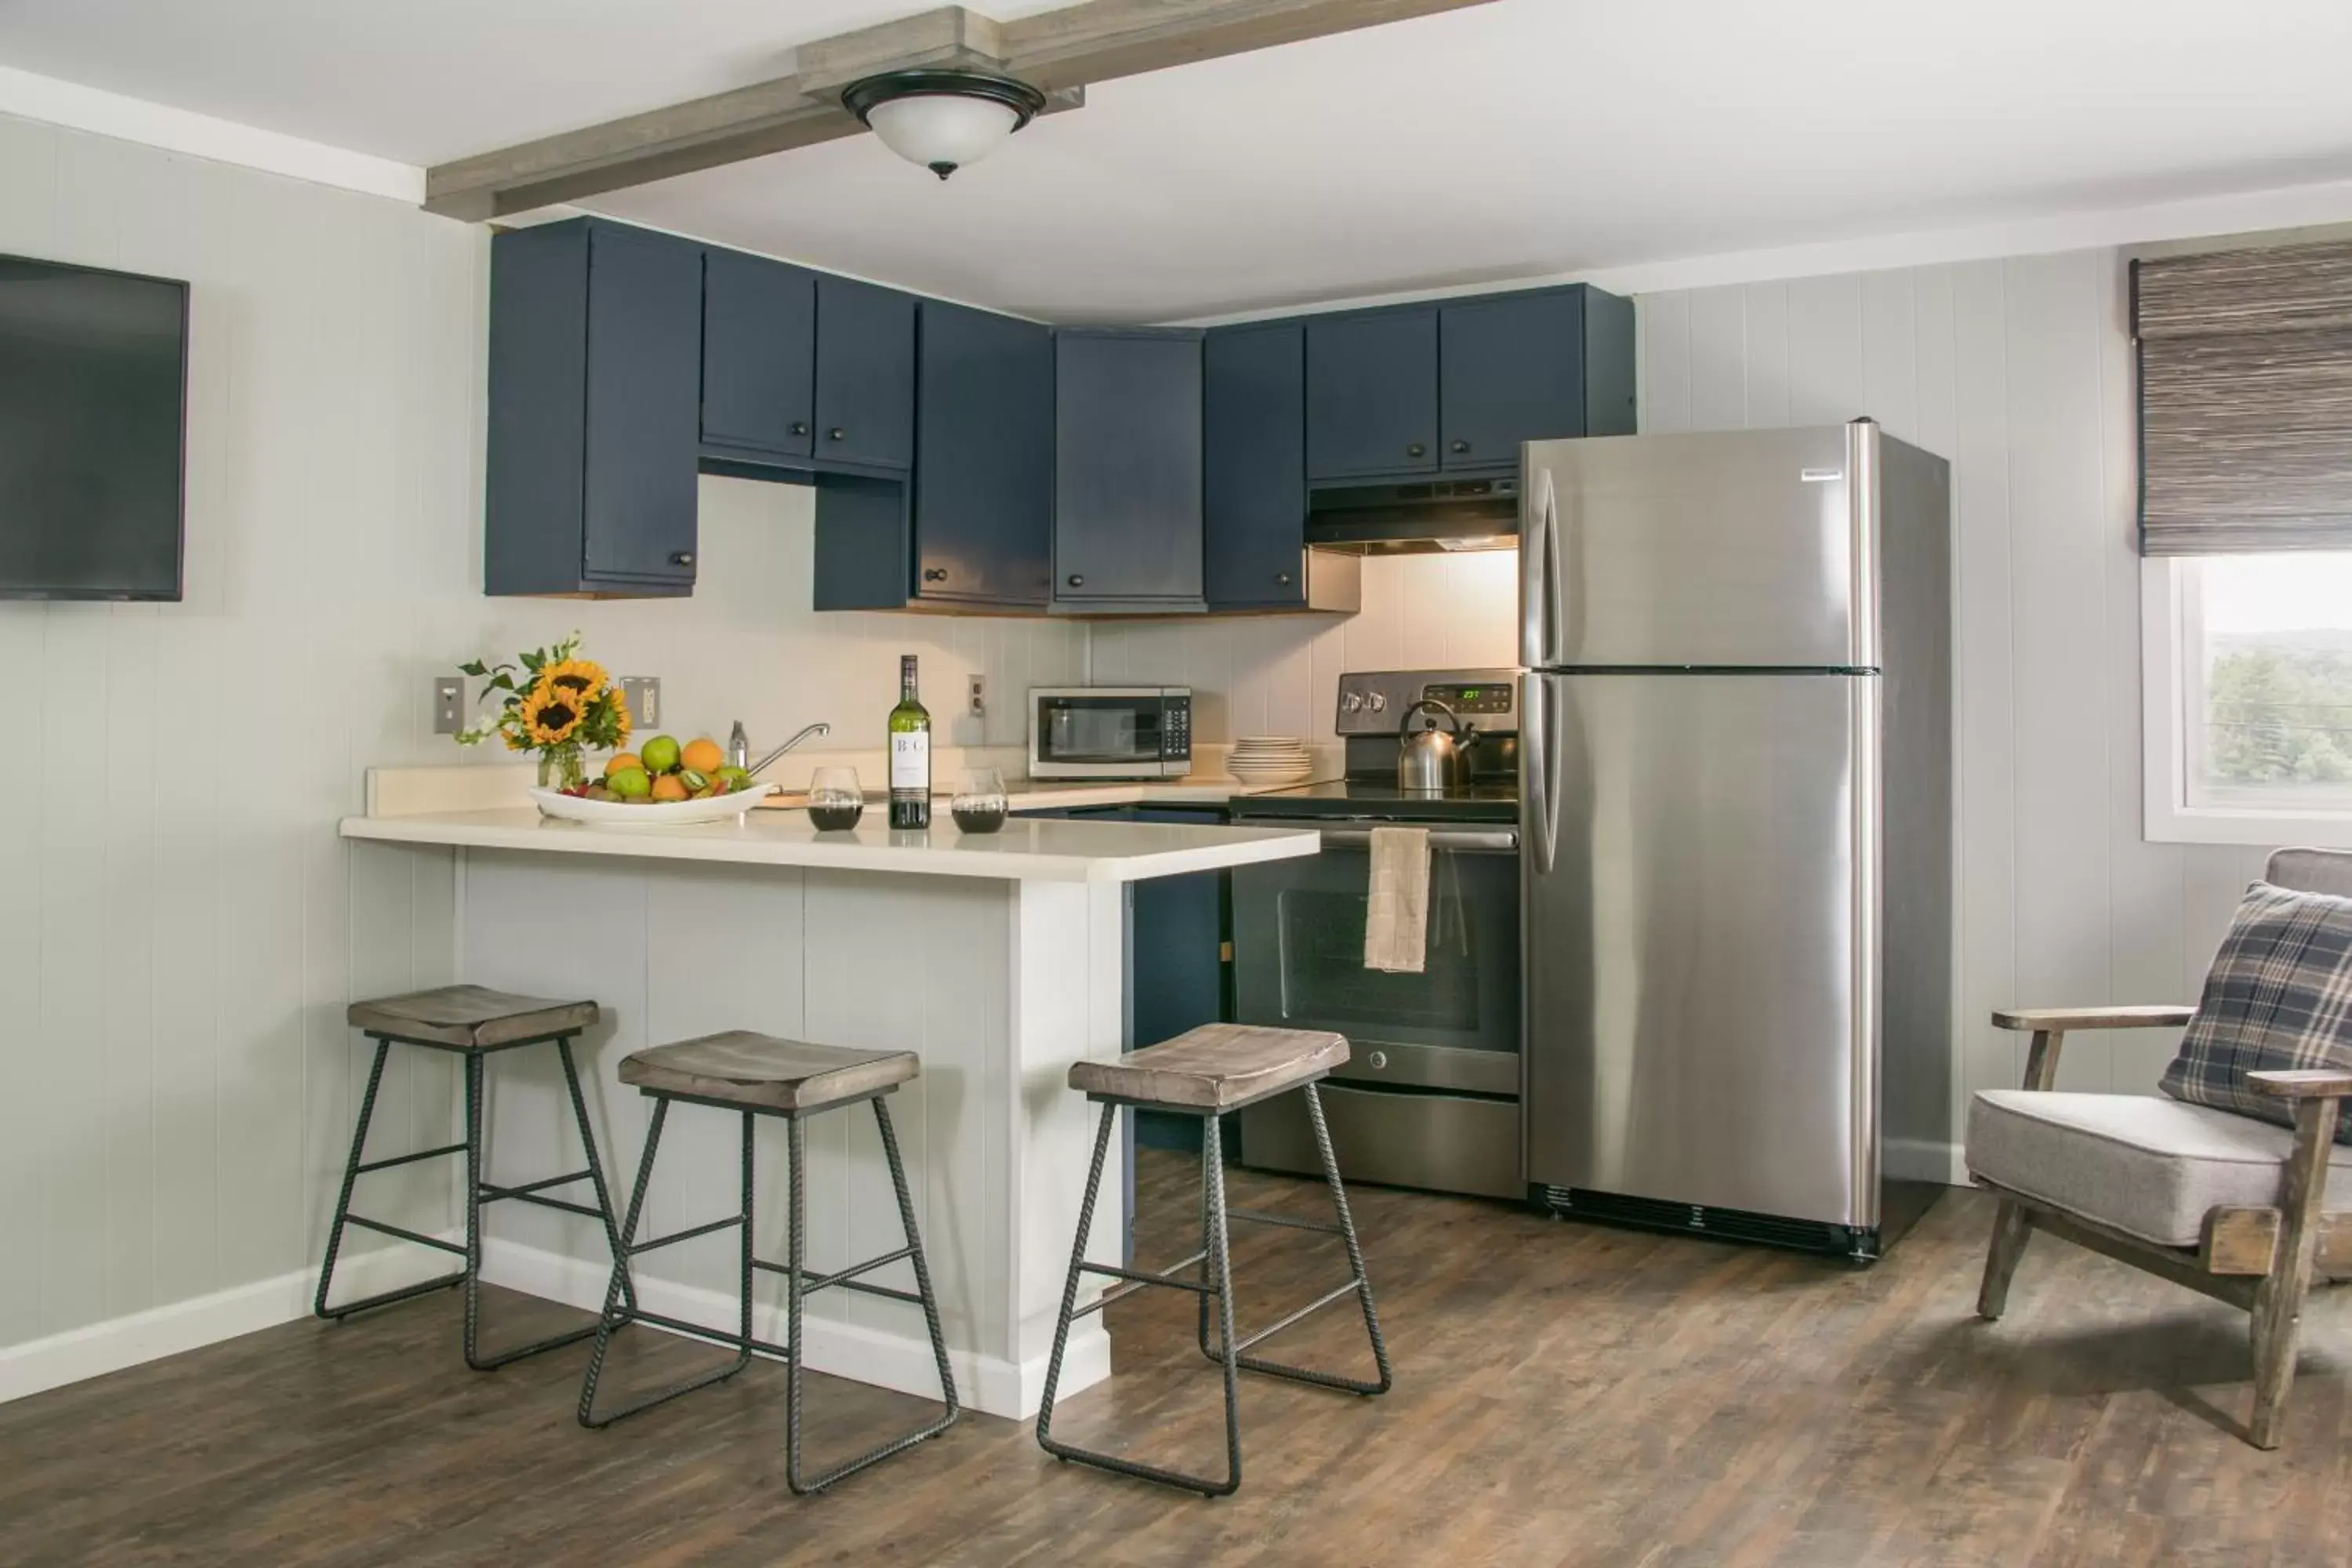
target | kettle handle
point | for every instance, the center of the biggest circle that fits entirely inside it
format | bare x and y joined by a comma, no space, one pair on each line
1404,719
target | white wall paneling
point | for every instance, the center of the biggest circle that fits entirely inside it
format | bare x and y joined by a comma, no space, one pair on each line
2019,370
183,928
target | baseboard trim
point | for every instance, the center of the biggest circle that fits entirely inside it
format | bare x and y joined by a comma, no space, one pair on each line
990,1384
97,1349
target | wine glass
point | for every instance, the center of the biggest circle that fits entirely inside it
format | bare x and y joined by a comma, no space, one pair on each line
979,805
834,801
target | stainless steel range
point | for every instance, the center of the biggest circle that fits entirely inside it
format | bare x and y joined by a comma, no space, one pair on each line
1430,1095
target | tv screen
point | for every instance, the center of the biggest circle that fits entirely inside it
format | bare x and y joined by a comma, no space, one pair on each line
93,393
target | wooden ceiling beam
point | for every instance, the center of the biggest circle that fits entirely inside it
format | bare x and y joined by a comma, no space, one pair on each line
1059,52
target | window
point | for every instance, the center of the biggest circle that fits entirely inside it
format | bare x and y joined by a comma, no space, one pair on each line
2244,362
2250,698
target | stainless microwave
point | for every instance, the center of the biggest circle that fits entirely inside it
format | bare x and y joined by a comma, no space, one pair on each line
1110,732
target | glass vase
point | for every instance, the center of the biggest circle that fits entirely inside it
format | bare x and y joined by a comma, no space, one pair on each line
561,767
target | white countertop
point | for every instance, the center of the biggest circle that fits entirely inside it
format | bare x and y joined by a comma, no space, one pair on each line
1024,850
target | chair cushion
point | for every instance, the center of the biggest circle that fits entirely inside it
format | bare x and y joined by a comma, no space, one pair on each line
2144,1165
2278,998
1216,1066
761,1072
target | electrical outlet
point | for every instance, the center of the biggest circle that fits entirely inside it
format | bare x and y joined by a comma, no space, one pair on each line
448,704
643,694
979,697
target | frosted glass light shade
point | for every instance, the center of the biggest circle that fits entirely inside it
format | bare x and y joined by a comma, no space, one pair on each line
943,132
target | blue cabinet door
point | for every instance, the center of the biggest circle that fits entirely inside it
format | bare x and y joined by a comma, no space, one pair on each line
984,459
865,375
644,379
1127,470
1371,394
1510,370
1253,517
759,353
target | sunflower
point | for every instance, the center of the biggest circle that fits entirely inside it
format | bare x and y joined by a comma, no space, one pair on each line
622,724
551,713
585,678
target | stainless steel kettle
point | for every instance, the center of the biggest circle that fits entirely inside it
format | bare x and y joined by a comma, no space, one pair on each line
1430,761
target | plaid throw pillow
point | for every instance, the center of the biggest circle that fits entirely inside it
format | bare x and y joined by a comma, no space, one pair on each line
2279,997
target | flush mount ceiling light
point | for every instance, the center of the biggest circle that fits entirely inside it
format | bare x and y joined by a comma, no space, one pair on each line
942,119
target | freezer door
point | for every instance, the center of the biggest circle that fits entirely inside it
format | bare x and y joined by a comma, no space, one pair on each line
1749,548
1700,899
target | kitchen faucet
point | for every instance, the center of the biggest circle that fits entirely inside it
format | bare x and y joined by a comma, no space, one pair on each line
739,747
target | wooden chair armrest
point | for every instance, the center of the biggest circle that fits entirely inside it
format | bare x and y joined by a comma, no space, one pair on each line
2308,1083
2065,1020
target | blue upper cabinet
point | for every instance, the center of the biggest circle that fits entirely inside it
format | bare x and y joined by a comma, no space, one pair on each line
596,376
1128,470
865,375
1254,515
1457,386
1371,394
759,355
983,459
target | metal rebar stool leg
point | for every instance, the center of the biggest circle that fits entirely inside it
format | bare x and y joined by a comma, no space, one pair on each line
615,1317
353,1166
798,1289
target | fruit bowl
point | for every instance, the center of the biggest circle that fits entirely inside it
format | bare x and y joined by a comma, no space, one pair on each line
653,814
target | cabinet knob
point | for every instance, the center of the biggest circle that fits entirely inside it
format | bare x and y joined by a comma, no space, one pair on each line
1416,450
681,557
1076,581
800,427
836,434
1282,579
1461,446
935,574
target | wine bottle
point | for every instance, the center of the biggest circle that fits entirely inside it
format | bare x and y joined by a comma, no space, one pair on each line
910,754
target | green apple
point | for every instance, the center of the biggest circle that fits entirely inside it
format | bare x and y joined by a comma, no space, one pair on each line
659,754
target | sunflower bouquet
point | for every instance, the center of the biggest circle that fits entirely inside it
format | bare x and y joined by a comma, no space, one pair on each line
555,703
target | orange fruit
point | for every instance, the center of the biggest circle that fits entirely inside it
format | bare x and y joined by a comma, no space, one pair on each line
621,762
669,786
703,757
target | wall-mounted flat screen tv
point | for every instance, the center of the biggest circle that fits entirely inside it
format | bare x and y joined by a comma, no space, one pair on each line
93,432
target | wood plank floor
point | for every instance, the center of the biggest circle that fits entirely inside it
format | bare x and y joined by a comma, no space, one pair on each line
1565,1394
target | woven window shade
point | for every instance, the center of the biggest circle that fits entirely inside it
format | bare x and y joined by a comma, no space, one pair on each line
2245,400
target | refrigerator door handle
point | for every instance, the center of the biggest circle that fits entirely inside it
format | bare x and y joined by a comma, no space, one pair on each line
1539,584
1539,783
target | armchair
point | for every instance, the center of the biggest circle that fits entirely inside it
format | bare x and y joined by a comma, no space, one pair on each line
2221,1203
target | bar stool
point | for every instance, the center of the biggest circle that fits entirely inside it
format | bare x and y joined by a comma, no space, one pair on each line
1206,1072
475,1023
758,1075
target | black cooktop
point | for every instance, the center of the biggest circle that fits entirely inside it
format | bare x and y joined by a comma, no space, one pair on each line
1489,801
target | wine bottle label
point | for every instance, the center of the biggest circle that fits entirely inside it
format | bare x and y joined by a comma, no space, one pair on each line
911,762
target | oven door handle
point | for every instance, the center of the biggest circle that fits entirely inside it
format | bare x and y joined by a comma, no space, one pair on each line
1452,840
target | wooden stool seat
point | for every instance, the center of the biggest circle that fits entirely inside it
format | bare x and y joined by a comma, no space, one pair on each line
763,1073
1216,1066
469,1017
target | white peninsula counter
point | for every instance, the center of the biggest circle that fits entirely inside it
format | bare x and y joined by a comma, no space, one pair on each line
998,959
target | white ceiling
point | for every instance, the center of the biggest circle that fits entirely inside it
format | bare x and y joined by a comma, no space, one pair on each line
1520,139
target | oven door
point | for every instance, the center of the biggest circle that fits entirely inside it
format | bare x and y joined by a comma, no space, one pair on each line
1298,958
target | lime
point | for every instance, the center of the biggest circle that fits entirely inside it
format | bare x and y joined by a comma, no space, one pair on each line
733,779
629,784
661,754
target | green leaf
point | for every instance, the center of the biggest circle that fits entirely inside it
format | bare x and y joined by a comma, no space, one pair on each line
474,668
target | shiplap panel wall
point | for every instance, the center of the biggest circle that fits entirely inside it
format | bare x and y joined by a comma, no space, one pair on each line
2019,372
181,928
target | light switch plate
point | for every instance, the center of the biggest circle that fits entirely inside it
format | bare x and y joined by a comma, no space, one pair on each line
448,704
643,694
979,697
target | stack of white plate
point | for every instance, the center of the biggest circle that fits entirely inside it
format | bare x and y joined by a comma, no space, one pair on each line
1269,762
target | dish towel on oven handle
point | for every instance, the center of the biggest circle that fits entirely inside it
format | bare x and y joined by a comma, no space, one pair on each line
1396,913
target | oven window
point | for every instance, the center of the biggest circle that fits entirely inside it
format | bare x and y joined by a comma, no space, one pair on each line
1098,730
1324,979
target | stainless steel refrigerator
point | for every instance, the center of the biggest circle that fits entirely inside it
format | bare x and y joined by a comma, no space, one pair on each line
1736,831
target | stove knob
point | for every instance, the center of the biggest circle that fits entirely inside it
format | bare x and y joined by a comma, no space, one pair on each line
1351,702
1378,701
1378,1061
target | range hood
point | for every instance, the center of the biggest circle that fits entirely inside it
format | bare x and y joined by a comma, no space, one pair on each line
1418,518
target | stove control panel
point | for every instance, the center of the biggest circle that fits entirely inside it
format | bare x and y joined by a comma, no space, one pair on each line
1372,702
